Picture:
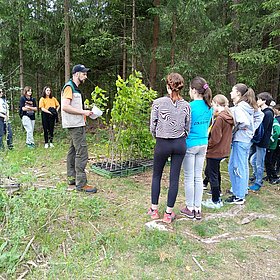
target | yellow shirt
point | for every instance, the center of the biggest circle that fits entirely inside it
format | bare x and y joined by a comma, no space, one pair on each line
48,102
67,93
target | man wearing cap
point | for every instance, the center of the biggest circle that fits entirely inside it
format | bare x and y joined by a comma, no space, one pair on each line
73,118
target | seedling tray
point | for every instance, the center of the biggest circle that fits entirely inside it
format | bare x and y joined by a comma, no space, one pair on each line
123,169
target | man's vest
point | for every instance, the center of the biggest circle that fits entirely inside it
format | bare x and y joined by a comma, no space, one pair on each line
73,120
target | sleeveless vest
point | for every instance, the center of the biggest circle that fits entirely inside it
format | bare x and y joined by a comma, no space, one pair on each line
72,120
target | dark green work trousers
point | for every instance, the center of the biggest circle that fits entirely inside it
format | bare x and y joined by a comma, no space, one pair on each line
77,156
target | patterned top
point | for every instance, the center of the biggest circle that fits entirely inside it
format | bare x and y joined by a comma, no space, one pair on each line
168,119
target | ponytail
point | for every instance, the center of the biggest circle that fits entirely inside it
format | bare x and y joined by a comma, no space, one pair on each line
207,97
203,89
247,95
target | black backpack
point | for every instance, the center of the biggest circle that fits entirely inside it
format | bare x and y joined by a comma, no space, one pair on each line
258,134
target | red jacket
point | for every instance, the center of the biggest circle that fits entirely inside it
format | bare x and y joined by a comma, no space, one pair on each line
220,136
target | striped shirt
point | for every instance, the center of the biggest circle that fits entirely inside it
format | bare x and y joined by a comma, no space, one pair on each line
168,119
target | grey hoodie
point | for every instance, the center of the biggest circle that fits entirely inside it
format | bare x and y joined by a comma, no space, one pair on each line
247,120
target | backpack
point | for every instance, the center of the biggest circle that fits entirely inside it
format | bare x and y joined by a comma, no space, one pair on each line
259,133
20,112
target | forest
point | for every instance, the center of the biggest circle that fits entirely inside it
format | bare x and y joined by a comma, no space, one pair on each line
225,41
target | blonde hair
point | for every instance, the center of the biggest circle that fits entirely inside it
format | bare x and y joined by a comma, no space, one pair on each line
221,100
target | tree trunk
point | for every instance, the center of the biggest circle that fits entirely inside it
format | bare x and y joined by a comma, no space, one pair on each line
153,66
173,35
124,52
67,40
232,64
21,78
275,79
133,37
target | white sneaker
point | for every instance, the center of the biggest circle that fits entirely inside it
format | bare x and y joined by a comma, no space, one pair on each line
51,145
210,204
46,145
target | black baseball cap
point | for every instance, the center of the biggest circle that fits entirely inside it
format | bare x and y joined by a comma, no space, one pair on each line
80,68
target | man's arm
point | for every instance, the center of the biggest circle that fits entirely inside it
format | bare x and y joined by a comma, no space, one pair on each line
66,107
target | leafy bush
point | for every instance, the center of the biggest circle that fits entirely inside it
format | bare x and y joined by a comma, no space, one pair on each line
130,138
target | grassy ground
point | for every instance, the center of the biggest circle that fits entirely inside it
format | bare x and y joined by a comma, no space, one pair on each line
49,232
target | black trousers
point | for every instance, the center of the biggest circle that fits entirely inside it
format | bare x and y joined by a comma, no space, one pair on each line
276,158
270,162
176,149
48,122
213,175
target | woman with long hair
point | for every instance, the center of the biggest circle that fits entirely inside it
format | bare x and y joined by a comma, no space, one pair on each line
247,117
169,124
27,109
49,107
197,140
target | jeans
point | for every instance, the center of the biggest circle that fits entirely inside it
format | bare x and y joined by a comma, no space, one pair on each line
257,162
193,166
77,156
176,148
28,125
238,168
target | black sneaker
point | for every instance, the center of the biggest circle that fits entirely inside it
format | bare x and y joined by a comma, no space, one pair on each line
274,181
266,178
235,200
252,179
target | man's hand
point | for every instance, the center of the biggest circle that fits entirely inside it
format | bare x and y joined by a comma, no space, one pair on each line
87,113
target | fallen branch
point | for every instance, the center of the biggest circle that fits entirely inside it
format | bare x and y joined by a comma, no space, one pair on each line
26,250
129,200
234,211
104,251
23,274
49,219
254,216
64,250
95,228
198,264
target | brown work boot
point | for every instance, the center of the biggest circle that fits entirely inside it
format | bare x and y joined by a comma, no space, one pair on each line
87,188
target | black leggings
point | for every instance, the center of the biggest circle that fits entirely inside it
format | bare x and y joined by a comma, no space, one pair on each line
48,122
176,148
213,175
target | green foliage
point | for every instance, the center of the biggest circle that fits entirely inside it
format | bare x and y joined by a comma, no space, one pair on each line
99,99
130,136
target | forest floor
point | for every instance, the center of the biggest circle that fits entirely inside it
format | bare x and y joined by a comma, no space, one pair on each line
50,232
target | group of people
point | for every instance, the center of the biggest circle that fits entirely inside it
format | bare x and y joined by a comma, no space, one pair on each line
207,128
186,132
49,107
73,118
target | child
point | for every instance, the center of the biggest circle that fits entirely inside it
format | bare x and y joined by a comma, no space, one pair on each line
218,148
257,160
276,154
27,108
49,107
270,159
169,124
247,118
5,125
197,140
